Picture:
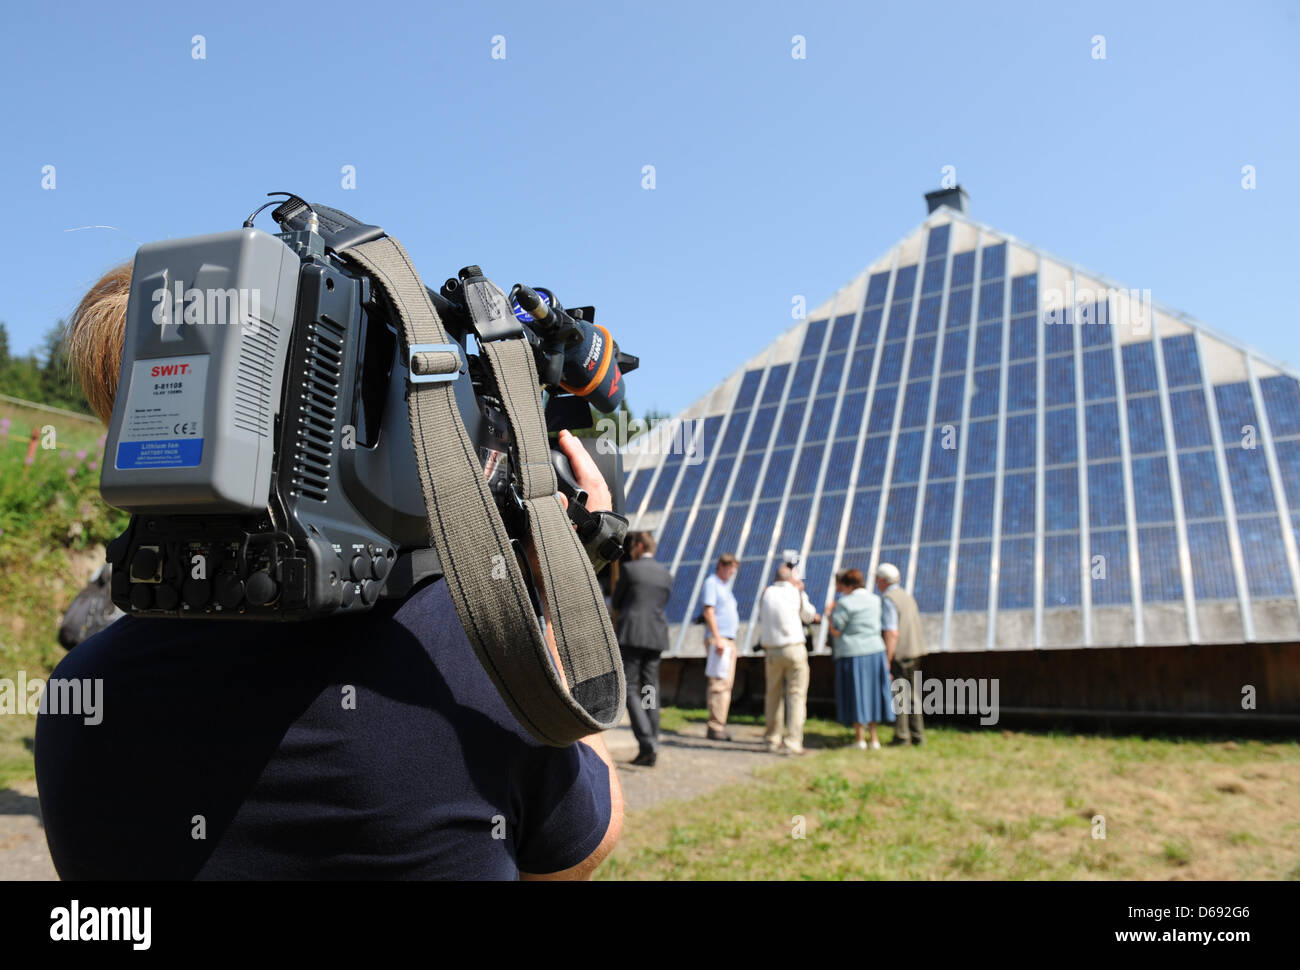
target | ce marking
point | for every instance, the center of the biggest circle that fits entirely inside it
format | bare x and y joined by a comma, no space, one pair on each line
185,428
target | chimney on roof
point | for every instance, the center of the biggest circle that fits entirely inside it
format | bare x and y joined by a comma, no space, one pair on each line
953,198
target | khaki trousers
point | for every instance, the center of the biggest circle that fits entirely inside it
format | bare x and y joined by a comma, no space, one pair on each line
720,690
787,692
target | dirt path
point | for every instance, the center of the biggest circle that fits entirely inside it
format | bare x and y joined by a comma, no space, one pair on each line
23,854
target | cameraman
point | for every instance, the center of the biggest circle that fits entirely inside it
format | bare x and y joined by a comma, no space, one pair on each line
371,746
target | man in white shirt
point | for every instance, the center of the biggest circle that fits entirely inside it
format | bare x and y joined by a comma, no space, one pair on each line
782,613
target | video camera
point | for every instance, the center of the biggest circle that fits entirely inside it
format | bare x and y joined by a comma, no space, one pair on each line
260,436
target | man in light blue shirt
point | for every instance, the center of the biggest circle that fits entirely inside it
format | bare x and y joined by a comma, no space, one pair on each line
722,623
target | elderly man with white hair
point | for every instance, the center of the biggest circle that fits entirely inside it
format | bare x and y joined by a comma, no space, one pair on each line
900,625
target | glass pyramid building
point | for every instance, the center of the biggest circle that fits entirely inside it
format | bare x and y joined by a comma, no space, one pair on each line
1051,460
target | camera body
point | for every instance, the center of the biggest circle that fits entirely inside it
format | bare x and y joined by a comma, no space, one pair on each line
260,435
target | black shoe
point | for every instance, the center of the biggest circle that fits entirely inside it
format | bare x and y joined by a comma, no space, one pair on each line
645,759
899,743
718,735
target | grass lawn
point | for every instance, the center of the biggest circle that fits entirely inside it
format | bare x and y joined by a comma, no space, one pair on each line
990,804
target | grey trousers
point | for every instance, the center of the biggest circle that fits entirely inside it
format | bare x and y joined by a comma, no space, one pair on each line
910,726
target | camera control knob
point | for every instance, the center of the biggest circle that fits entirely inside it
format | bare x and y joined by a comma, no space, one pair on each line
261,588
144,564
229,590
166,597
359,568
379,567
370,592
141,596
349,595
196,592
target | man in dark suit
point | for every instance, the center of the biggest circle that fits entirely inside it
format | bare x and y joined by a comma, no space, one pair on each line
642,630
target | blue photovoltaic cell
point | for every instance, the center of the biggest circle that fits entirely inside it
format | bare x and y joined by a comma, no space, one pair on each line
671,536
775,385
795,523
841,331
832,371
959,306
994,262
882,409
862,519
827,529
1018,504
689,485
988,344
683,583
1024,338
907,456
729,536
1288,462
982,447
748,389
1061,495
791,419
860,369
936,515
718,479
818,571
742,490
930,586
749,577
1182,365
1212,577
877,288
802,381
1098,374
1024,294
1022,386
1139,367
1059,381
991,300
1252,490
947,406
905,283
872,468
1060,439
1158,562
1061,571
1021,439
1282,402
869,329
635,493
922,363
698,541
1094,334
984,400
735,432
891,363
1103,430
1058,336
943,451
936,244
761,430
810,463
954,351
667,479
1236,411
1111,582
927,315
1192,429
851,410
761,526
1146,426
1152,491
977,508
973,561
900,314
1265,557
932,281
1199,476
1106,494
916,404
839,466
1016,575
819,422
899,515
963,269
813,339
898,555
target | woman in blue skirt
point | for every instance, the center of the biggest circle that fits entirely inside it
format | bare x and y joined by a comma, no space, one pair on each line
862,694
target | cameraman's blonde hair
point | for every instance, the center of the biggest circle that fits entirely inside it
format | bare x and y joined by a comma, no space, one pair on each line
94,344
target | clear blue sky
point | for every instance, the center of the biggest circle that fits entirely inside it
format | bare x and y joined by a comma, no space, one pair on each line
775,176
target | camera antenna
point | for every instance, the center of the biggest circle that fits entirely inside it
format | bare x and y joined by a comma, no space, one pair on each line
248,223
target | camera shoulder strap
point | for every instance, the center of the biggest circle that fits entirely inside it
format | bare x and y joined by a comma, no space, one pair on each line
482,573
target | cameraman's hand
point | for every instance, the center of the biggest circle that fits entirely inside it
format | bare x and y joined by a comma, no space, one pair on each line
587,474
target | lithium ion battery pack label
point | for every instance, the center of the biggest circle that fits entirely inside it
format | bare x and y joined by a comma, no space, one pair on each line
163,423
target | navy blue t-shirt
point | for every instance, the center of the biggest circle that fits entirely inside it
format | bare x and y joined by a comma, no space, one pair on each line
363,747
